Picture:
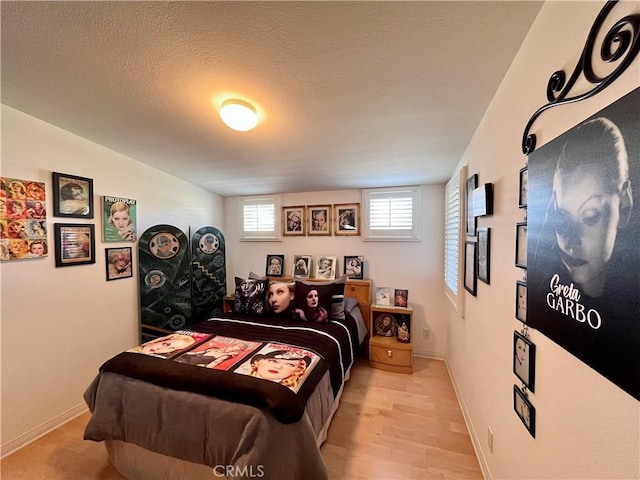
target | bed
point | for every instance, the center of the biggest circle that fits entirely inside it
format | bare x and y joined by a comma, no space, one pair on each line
165,417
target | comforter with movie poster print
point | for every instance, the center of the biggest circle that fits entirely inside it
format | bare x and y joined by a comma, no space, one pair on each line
268,363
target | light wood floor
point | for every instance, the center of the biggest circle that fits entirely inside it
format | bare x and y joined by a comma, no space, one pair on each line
389,426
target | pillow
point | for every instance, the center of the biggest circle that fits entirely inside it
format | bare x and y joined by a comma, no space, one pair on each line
251,296
349,304
328,303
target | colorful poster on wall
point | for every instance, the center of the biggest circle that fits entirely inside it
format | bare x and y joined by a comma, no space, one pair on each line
118,219
23,219
584,242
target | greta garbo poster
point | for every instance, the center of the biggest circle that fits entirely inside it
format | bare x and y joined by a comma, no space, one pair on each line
584,242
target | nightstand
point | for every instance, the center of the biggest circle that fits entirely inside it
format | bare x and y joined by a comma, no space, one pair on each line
385,351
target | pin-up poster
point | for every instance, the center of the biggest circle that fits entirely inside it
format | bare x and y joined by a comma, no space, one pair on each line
23,219
118,219
583,273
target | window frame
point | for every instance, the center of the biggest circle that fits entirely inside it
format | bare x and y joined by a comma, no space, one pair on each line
274,235
458,179
382,235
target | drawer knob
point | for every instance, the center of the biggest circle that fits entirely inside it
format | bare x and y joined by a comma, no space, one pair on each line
390,353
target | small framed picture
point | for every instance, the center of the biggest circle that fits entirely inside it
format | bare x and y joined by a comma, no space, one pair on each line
347,218
525,410
72,196
118,219
470,267
319,218
483,200
75,244
521,301
521,245
524,187
524,360
326,268
119,263
471,185
400,298
383,296
293,223
275,266
354,266
484,250
301,266
385,325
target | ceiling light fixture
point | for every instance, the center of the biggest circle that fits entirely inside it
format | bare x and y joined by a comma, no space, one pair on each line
239,115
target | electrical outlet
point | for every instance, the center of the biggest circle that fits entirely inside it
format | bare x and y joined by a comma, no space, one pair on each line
490,439
426,334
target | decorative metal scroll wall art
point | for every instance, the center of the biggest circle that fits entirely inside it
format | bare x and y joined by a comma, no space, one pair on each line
582,264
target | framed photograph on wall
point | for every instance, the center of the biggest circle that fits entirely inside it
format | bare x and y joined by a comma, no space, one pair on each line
293,223
72,196
118,219
521,245
347,218
319,218
275,266
524,187
301,267
525,410
521,301
354,266
470,186
118,262
326,267
75,244
470,267
524,360
484,249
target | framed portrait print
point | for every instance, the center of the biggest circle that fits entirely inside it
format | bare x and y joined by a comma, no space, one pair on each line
484,249
354,266
301,266
319,218
470,186
521,245
383,296
72,196
326,268
521,301
75,244
347,218
524,187
525,410
118,219
470,267
118,262
275,266
524,358
293,223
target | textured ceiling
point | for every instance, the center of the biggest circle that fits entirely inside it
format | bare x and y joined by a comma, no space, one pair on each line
349,94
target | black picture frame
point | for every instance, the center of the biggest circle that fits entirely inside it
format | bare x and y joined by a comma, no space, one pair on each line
353,266
470,267
471,222
484,251
275,265
72,196
75,244
523,190
521,301
118,262
483,200
521,245
525,410
524,360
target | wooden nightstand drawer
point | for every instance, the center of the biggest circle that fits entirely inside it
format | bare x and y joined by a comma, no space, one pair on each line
389,354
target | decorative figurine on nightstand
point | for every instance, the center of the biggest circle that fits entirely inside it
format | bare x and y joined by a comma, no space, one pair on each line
403,333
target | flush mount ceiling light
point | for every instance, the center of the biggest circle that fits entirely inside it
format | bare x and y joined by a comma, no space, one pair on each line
239,115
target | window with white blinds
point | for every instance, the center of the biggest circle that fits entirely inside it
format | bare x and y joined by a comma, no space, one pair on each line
452,234
391,214
261,218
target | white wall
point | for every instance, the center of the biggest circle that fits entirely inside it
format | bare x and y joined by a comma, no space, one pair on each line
586,427
60,324
416,266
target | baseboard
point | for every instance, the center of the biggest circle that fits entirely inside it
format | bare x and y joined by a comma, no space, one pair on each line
475,441
428,354
34,434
